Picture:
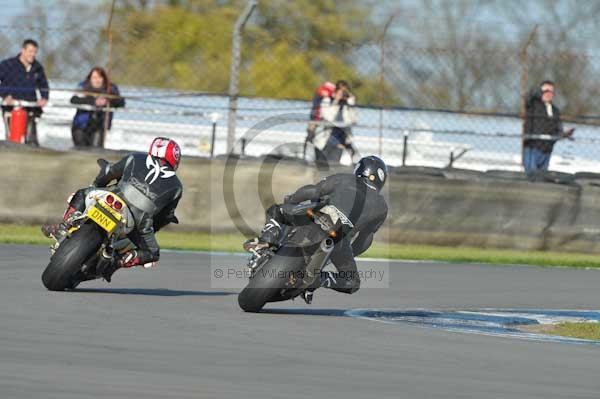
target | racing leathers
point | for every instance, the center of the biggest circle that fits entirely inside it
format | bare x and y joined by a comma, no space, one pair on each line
152,192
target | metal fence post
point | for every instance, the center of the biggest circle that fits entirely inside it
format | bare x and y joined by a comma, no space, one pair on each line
381,83
214,118
235,71
212,139
108,71
404,148
523,58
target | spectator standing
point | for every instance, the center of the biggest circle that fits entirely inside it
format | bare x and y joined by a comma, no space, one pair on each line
543,128
315,130
23,78
97,93
339,111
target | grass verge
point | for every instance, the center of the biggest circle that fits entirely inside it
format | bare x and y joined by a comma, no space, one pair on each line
23,234
585,330
578,330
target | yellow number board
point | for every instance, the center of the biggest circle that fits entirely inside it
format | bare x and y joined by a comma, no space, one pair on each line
102,219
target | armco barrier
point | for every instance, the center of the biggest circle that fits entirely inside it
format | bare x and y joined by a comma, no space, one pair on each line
428,206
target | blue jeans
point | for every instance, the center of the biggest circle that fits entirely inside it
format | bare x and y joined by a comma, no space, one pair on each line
332,151
534,160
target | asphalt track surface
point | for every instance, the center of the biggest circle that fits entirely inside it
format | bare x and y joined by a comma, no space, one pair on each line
165,333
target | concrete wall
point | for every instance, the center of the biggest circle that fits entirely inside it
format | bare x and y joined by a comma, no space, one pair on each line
451,207
35,184
495,213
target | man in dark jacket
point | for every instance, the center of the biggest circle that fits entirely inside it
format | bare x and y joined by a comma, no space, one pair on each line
357,197
543,128
20,79
149,185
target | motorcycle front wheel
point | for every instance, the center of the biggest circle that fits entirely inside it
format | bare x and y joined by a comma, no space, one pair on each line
268,282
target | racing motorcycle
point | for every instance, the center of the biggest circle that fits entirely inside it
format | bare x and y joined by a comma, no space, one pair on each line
96,237
292,267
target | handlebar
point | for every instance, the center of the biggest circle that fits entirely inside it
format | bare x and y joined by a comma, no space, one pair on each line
20,103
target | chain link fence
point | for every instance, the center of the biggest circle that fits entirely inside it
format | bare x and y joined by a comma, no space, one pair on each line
417,103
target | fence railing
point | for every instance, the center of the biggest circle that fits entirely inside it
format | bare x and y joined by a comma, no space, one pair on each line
435,105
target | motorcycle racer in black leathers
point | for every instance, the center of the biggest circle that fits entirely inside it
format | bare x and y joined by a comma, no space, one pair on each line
358,197
147,182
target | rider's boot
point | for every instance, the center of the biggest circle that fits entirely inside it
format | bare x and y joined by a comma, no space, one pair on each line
320,281
330,280
60,230
269,236
308,296
110,269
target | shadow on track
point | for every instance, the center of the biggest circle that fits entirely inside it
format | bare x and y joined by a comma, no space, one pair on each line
151,292
307,312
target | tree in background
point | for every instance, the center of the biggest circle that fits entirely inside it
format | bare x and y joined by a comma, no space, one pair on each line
564,48
464,55
172,47
445,56
289,47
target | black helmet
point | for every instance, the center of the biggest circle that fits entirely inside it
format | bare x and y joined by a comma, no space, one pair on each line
373,170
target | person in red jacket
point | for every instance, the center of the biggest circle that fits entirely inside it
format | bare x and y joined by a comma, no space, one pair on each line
325,90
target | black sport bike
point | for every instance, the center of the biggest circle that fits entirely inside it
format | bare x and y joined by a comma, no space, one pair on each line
292,267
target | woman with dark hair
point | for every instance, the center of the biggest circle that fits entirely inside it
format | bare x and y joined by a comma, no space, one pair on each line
96,93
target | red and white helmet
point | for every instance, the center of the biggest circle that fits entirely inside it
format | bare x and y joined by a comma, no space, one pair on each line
166,149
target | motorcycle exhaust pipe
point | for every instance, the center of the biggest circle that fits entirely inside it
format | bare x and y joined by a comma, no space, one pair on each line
327,245
319,259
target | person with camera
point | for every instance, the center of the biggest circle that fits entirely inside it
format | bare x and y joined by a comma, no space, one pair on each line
339,111
315,131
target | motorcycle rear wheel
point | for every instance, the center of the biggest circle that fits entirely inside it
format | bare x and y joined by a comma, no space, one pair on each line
65,265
